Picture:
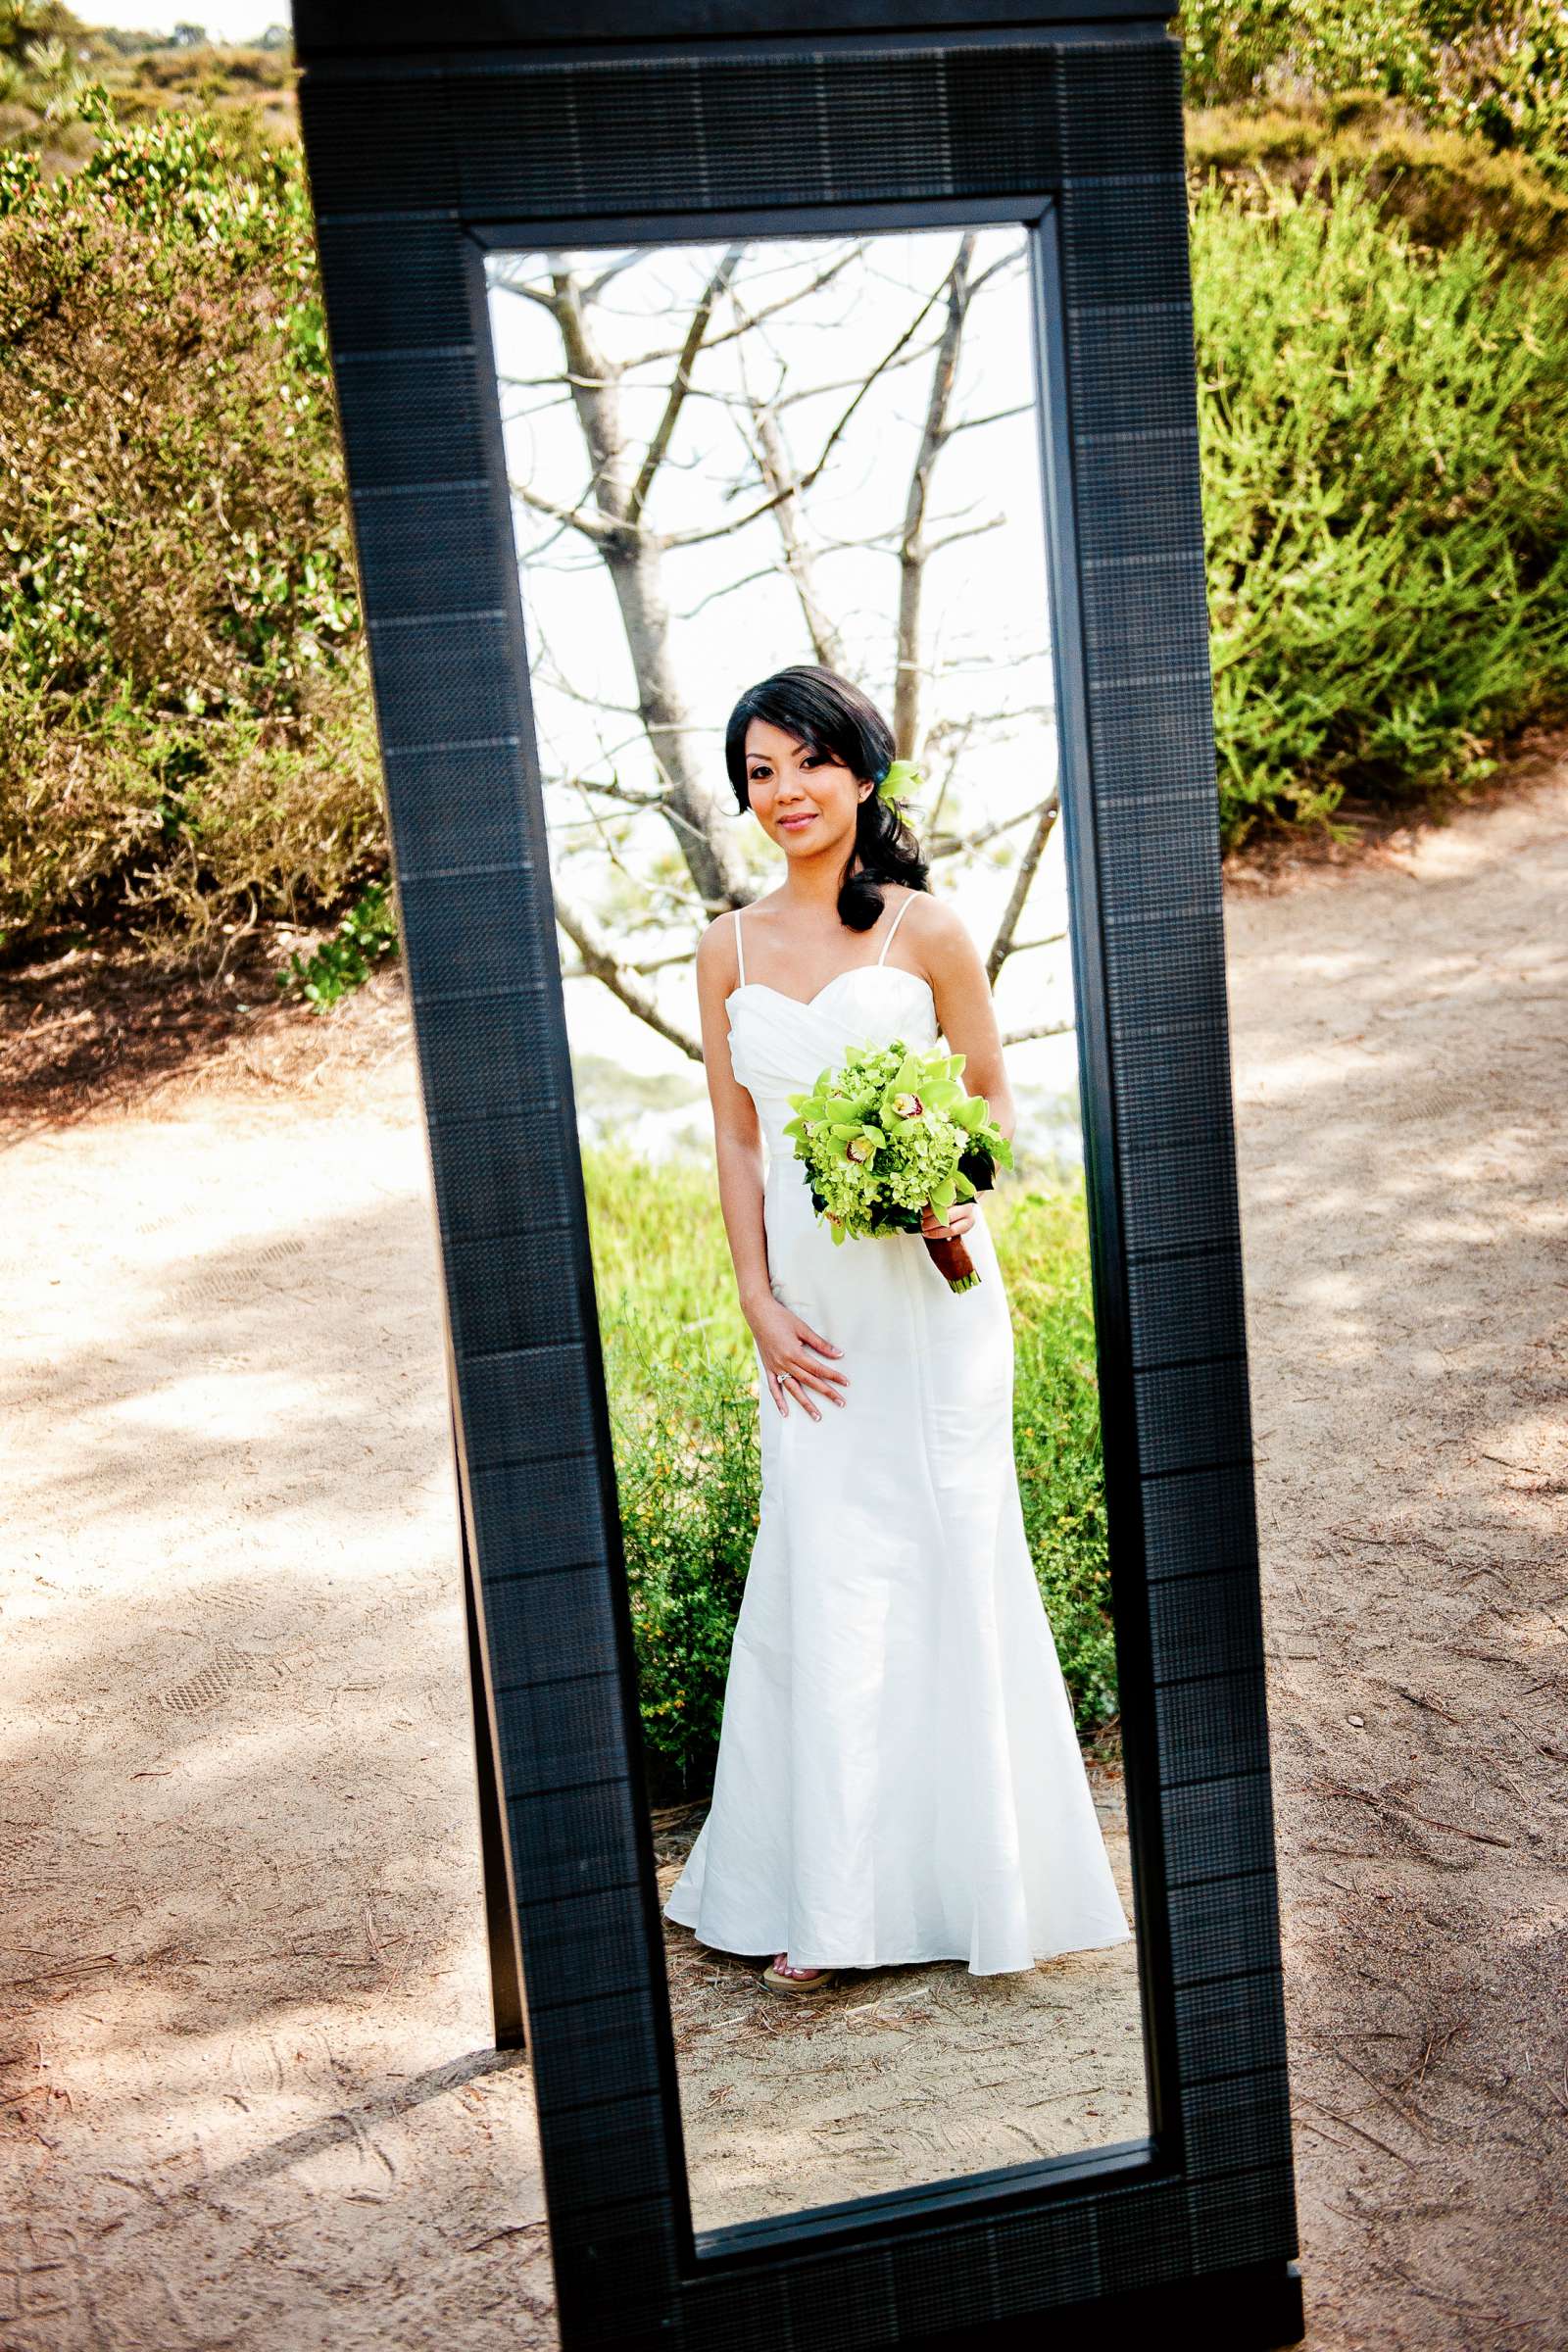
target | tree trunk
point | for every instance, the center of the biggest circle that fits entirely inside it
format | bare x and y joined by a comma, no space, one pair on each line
696,815
911,546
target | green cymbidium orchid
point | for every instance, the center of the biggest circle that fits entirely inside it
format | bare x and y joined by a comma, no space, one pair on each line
888,1132
898,780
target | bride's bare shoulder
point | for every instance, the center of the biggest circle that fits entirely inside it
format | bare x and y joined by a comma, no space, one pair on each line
715,949
939,942
718,951
932,926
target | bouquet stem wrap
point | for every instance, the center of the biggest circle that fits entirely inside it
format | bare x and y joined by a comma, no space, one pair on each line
952,1262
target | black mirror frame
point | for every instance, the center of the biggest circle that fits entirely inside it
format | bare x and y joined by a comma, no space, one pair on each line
539,122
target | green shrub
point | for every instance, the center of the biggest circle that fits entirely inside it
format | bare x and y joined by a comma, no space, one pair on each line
368,933
660,1256
1438,182
1503,75
1243,49
1498,72
1385,509
684,1422
187,737
186,728
1042,1242
680,1373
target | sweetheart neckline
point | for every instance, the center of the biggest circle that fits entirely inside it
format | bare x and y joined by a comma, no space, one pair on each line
897,970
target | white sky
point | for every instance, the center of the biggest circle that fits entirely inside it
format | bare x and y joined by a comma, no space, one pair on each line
986,612
233,20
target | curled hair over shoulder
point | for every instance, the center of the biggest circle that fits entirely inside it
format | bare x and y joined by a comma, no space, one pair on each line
824,710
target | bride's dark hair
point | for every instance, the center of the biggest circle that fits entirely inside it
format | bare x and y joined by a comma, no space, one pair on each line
824,710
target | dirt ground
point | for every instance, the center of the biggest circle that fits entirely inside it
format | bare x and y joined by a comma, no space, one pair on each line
898,2075
249,2102
1402,1047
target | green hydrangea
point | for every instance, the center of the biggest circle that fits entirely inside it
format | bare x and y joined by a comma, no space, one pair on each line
889,1131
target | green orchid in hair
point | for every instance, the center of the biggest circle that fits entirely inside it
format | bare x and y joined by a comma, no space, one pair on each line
896,781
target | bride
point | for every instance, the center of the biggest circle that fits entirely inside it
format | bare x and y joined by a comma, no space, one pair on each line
898,1777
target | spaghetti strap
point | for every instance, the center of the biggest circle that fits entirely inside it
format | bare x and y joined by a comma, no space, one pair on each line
740,947
892,927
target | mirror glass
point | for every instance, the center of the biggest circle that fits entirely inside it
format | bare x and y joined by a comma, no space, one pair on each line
876,1665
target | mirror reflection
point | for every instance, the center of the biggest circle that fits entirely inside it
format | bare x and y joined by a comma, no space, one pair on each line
782,554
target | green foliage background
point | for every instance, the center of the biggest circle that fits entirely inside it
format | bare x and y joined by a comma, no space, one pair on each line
1498,74
185,731
1381,304
681,1373
1385,501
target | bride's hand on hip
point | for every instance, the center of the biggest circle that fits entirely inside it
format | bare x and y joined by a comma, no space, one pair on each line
961,1216
793,1358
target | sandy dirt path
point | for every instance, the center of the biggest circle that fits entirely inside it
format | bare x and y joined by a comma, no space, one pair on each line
249,2098
1401,1051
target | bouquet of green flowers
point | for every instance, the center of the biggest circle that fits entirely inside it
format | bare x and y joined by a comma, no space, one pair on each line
889,1132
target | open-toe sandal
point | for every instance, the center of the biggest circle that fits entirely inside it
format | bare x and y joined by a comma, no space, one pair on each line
799,1987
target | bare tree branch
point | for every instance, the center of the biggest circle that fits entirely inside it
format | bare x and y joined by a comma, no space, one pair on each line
1000,267
951,845
599,958
670,540
1028,867
714,595
977,530
627,261
611,847
774,461
972,424
609,524
592,526
1022,1037
632,555
951,739
745,322
912,550
517,285
909,355
680,384
561,684
806,481
626,794
538,383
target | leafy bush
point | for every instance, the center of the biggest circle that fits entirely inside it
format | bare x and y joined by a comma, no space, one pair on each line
1439,182
1498,72
185,731
368,933
1386,510
684,1419
1240,49
186,738
659,1254
681,1372
1042,1242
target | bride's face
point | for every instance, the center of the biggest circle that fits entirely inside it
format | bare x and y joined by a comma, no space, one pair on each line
804,798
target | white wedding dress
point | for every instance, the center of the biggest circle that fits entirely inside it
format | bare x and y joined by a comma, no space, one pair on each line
898,1777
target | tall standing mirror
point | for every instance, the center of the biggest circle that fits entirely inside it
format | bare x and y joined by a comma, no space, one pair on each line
875,1658
690,374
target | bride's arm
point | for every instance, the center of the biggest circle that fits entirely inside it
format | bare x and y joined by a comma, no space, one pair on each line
795,1356
737,1137
966,1015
